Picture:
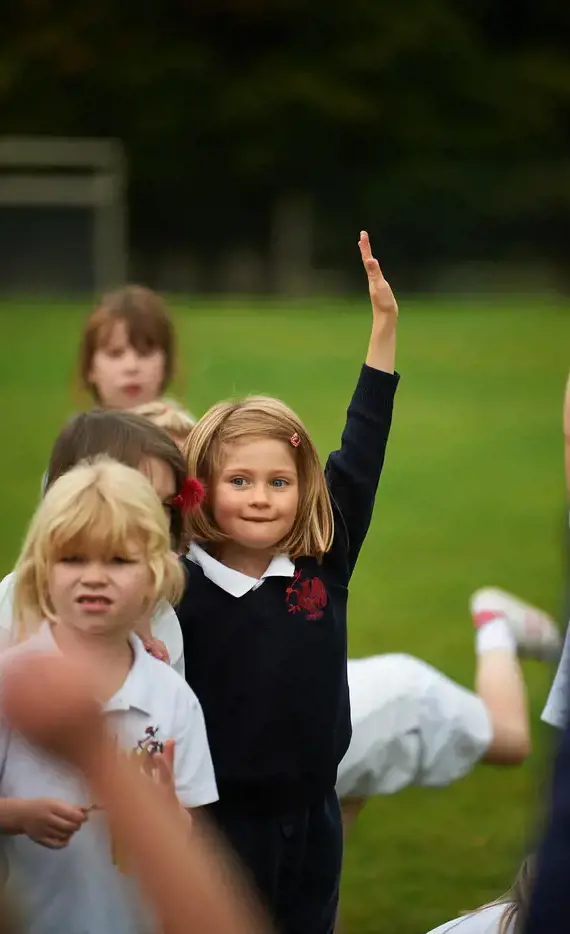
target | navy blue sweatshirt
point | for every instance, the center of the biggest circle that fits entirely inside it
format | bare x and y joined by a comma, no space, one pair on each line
549,910
269,668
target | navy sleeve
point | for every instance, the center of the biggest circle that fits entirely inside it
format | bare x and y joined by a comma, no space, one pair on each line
353,472
549,909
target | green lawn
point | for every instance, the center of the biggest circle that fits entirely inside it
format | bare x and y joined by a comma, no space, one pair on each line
472,494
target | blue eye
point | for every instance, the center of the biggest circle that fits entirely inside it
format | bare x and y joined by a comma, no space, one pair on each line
280,483
238,481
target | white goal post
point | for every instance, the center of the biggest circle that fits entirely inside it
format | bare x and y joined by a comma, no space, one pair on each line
67,173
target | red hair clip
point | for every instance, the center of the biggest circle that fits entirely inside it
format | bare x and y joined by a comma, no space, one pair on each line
190,496
295,440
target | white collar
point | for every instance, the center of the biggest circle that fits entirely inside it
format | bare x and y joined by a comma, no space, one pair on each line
134,691
234,582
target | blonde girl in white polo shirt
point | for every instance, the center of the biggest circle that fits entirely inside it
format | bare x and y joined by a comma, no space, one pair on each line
96,556
133,441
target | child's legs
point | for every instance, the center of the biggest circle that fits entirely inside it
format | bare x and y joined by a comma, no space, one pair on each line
506,627
454,727
500,685
255,840
312,888
406,715
294,860
350,809
411,726
414,725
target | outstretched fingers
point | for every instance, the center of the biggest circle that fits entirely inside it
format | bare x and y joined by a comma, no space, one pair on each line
371,265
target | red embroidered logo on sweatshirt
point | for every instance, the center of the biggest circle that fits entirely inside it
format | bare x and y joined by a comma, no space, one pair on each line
308,595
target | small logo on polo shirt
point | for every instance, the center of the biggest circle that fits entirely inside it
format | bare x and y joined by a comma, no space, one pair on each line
149,744
308,596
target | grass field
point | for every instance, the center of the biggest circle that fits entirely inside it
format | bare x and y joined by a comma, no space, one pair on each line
472,494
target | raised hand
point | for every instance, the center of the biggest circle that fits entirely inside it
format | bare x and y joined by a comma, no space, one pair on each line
382,347
384,304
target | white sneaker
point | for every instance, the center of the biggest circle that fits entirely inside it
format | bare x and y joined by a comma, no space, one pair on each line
536,633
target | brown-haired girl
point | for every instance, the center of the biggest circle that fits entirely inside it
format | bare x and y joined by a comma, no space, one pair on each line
272,552
127,351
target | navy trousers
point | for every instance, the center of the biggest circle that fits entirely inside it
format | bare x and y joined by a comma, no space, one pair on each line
294,859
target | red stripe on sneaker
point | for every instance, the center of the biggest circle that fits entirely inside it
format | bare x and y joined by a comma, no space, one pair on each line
487,616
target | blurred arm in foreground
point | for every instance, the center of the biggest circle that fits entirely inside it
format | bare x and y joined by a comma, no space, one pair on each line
192,883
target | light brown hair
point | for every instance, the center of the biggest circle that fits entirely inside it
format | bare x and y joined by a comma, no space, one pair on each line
128,438
148,325
260,417
96,508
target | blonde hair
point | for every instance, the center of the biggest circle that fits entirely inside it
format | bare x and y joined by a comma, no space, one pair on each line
251,418
169,415
97,508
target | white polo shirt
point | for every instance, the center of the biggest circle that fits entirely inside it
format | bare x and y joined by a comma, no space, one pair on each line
556,710
232,581
164,624
486,921
78,890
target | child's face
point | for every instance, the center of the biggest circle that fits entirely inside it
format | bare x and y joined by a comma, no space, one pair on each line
122,376
103,596
256,493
